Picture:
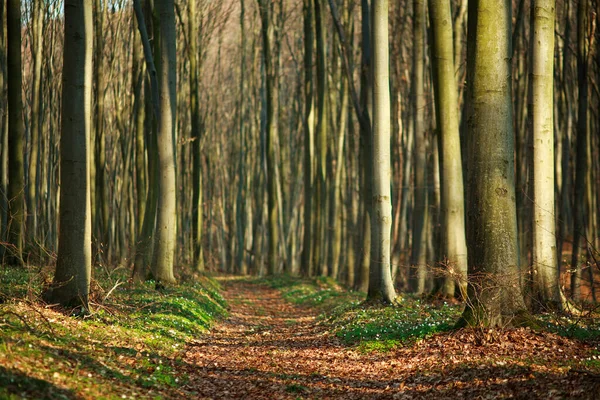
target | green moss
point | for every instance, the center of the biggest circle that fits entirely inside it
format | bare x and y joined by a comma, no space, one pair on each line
132,342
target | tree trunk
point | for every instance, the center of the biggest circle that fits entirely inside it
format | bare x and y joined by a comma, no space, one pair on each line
544,268
494,296
420,209
36,118
320,242
16,133
454,245
166,219
307,266
73,266
101,228
381,287
582,144
196,119
267,37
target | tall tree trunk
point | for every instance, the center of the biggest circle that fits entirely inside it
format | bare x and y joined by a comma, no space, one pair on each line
73,266
307,266
101,228
16,132
582,144
454,245
320,242
544,269
381,287
3,132
267,38
145,241
196,119
36,118
420,209
166,219
362,277
494,295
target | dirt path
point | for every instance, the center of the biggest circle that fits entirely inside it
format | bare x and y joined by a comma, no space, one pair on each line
271,349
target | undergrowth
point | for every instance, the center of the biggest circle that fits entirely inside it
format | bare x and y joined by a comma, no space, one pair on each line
129,346
381,328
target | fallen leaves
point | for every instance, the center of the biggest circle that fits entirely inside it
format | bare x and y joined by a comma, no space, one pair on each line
247,357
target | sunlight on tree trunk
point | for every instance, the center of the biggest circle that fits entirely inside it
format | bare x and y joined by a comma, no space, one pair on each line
494,295
71,283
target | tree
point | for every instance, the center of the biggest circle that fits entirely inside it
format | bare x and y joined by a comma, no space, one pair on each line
16,133
454,245
100,211
420,211
546,291
380,282
494,295
36,118
166,219
307,267
582,144
73,266
319,237
267,39
196,120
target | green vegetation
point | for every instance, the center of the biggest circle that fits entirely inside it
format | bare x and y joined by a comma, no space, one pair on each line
378,328
130,344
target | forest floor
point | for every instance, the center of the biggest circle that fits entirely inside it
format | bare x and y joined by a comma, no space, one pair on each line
271,348
274,338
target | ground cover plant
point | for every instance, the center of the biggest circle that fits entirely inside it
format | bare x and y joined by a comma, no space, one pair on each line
130,344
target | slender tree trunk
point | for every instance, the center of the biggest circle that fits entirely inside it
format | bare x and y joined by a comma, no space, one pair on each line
494,295
420,209
3,132
582,144
319,250
381,287
454,245
544,273
362,281
166,219
145,242
196,119
35,123
101,227
16,133
307,266
73,266
267,37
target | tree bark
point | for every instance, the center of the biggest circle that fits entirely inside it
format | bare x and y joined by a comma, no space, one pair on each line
494,295
454,245
71,282
546,290
307,266
16,133
166,219
420,209
381,287
582,144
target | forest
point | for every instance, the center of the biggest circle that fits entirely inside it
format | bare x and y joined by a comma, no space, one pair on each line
285,199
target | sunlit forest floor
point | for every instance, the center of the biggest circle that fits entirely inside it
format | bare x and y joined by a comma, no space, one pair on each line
279,337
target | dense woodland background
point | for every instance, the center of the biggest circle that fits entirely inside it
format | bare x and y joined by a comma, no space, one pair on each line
231,91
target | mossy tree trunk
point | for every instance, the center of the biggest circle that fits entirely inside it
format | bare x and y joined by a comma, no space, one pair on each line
494,295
